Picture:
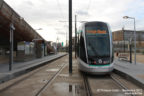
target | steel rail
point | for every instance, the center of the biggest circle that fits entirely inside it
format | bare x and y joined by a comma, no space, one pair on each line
49,81
120,84
87,86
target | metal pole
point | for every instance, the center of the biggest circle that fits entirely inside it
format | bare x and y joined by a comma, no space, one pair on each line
135,39
78,45
11,47
130,53
70,36
10,54
75,35
124,40
56,46
44,48
66,41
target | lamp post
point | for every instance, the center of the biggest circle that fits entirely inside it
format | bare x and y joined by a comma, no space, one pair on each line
12,28
66,42
57,39
38,29
57,42
75,35
127,17
123,38
130,51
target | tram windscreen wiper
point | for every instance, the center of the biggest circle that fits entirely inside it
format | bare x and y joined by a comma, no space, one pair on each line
93,50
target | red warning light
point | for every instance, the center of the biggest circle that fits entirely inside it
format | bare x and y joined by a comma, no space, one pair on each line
94,62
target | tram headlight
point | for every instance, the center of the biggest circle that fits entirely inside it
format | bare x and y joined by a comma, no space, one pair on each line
100,61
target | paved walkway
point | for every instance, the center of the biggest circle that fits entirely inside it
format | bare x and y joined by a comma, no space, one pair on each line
135,72
23,67
51,80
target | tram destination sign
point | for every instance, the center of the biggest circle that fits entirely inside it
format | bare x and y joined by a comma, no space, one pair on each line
96,31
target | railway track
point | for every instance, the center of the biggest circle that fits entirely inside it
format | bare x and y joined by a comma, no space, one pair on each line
49,81
87,86
34,82
119,83
106,86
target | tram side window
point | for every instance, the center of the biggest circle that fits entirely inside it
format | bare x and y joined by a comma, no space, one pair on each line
78,46
82,49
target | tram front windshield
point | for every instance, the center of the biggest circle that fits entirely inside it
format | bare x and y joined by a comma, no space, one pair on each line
97,40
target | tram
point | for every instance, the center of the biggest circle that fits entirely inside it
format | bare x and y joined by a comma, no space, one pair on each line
95,48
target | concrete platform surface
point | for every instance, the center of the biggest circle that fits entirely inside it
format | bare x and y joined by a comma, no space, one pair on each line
24,67
52,79
133,72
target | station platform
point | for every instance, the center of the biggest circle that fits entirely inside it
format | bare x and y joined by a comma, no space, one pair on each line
19,68
133,72
52,79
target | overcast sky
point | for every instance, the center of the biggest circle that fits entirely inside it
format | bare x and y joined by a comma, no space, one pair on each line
46,14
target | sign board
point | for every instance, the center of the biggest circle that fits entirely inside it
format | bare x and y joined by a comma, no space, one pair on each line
96,31
62,43
21,46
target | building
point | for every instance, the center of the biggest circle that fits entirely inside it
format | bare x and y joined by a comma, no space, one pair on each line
121,35
122,38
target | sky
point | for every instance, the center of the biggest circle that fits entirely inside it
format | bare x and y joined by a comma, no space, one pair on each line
52,15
